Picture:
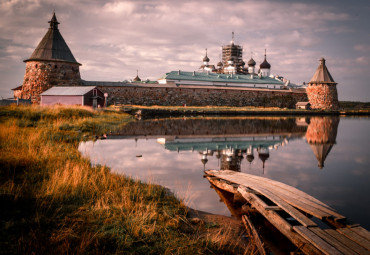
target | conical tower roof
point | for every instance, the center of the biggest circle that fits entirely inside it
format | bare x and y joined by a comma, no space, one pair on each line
322,74
321,151
52,46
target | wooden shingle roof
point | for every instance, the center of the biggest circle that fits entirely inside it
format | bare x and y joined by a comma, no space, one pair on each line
322,74
52,46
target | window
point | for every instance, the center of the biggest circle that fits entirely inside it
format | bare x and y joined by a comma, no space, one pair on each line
95,92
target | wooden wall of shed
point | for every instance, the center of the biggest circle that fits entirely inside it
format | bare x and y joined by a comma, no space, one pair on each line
89,101
65,100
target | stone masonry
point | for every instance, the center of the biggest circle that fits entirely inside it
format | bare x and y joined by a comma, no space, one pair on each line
180,96
323,96
42,75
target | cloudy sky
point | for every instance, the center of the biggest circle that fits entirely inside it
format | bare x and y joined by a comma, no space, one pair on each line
112,39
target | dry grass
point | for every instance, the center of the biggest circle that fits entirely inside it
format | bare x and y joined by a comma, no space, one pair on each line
57,203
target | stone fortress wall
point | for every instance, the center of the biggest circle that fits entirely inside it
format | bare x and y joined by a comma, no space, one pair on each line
201,96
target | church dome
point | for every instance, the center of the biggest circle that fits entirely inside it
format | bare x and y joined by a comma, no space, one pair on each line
137,78
251,62
206,59
219,64
265,64
242,63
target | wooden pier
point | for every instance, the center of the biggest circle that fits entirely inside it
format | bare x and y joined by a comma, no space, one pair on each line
293,213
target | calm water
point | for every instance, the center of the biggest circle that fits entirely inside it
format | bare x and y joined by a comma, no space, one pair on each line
325,157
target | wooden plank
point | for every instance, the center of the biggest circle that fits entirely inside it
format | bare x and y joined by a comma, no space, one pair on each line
222,185
303,219
347,242
332,241
275,183
355,237
285,206
281,224
316,240
300,201
256,237
273,208
361,232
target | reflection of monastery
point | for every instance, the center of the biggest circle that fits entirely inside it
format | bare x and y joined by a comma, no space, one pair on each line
232,140
230,151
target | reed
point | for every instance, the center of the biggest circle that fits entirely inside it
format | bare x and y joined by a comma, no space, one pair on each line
55,202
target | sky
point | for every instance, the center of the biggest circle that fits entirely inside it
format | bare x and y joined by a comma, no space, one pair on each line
113,39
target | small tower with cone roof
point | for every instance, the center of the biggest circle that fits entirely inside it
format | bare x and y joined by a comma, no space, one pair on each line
51,64
322,89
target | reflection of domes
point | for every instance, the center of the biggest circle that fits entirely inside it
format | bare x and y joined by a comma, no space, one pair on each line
204,161
263,156
250,158
218,154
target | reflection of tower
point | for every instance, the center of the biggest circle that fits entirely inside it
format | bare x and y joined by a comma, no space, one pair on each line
263,154
231,160
321,135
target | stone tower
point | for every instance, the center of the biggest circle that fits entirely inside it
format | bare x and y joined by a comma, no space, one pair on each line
51,64
322,89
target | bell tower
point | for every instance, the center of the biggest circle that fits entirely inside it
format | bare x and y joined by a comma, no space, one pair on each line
51,64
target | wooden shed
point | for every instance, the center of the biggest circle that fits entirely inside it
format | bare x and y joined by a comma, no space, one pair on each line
74,95
303,105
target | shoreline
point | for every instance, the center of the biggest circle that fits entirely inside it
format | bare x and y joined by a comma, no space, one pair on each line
173,111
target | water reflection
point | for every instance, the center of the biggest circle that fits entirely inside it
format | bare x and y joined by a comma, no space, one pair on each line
175,151
321,136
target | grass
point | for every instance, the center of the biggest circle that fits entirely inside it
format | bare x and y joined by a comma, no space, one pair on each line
55,202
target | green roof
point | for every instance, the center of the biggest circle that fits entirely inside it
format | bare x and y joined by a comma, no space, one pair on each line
223,78
201,146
